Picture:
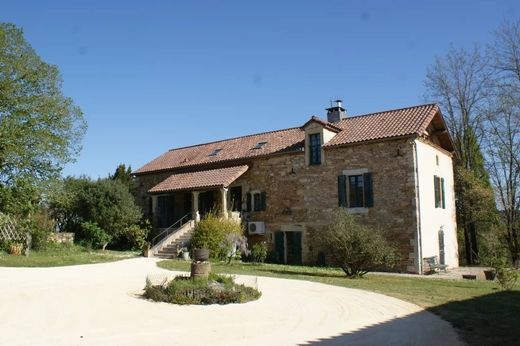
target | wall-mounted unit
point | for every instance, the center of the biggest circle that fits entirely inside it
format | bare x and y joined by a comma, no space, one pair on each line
256,227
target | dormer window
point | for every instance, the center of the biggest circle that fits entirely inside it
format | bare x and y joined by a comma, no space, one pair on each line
315,149
259,145
215,152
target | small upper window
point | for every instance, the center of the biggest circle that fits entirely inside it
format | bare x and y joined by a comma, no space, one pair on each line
315,149
438,187
437,160
215,152
259,145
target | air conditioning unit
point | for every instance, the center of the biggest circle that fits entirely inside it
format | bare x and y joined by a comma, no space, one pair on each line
256,227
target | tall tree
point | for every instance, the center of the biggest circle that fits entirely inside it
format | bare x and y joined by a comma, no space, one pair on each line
461,82
504,132
40,128
123,174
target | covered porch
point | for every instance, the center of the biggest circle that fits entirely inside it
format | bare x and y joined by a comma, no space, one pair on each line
196,193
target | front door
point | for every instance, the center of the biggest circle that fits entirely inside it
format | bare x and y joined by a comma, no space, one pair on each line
288,247
293,241
442,257
206,202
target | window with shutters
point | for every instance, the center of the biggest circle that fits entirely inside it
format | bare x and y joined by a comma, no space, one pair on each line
355,191
314,149
438,187
256,201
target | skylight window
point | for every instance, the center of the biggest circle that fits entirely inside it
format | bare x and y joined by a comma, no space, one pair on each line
215,152
259,145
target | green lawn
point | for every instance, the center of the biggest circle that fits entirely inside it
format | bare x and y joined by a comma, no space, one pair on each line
63,256
482,313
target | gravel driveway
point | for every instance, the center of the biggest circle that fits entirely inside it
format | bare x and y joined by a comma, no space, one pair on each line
99,305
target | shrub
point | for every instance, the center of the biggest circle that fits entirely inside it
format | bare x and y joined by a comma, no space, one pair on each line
259,253
133,237
234,246
94,236
106,202
217,289
5,245
40,238
507,277
211,232
356,248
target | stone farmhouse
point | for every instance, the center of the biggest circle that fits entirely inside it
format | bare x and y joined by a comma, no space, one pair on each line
392,168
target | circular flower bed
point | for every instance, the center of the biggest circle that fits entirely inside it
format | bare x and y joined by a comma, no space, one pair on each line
216,289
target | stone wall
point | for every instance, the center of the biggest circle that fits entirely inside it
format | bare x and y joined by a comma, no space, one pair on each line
145,183
301,195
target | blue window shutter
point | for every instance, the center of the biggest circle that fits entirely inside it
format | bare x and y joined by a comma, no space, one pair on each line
442,194
437,190
342,191
368,190
248,201
263,201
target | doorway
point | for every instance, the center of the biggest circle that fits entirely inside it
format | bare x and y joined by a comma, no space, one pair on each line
207,202
442,256
236,198
288,247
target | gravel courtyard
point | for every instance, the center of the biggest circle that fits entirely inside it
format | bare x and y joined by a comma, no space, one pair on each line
99,305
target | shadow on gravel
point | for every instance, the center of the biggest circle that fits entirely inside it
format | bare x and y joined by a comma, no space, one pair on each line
487,320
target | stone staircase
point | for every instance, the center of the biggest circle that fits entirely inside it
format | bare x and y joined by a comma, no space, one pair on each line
171,250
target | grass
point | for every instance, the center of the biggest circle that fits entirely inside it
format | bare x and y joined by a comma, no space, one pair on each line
483,314
63,255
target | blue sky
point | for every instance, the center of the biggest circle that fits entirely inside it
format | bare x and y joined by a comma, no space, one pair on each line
154,75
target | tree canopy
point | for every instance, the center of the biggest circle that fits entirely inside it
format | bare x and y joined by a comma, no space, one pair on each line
40,128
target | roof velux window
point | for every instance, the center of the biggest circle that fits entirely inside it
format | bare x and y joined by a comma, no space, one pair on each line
259,145
215,152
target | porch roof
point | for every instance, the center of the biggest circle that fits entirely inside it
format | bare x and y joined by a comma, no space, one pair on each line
213,178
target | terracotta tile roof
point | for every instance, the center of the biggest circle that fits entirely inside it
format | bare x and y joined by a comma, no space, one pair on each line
221,177
232,149
354,129
393,123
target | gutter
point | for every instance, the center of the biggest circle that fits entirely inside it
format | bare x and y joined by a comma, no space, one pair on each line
418,211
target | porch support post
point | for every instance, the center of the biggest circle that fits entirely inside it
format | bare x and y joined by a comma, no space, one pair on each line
223,204
154,215
195,206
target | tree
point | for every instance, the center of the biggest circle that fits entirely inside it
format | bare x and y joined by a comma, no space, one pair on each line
355,248
503,140
40,128
462,83
123,174
105,202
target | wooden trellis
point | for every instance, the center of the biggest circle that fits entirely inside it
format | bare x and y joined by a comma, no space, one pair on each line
8,229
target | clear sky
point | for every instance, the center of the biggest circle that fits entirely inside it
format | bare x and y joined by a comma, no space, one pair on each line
155,75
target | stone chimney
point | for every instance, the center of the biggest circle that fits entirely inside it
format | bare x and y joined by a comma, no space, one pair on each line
336,113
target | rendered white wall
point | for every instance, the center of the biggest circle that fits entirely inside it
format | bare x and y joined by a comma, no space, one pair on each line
432,219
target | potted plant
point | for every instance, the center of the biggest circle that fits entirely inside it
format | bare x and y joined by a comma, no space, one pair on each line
490,274
15,249
185,254
200,255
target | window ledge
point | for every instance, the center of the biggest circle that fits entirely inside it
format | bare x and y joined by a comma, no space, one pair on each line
357,210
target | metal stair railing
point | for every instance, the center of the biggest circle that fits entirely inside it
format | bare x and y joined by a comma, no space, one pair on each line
177,225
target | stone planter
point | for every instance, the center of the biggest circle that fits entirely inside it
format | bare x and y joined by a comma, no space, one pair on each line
200,255
200,269
15,249
490,274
